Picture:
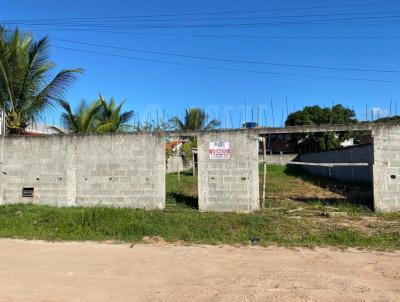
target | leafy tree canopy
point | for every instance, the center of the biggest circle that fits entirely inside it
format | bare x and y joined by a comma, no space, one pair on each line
389,120
315,115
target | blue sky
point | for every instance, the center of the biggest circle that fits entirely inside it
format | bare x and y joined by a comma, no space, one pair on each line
152,87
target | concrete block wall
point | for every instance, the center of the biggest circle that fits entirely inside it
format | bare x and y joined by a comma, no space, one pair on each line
37,163
356,154
386,168
121,170
228,184
278,159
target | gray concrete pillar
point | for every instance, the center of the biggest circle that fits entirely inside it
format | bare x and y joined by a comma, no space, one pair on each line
386,169
228,171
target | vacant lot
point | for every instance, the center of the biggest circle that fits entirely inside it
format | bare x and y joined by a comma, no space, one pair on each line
288,218
34,271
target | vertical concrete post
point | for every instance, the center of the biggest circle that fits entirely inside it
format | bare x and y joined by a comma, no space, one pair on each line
386,168
1,165
159,170
70,166
229,183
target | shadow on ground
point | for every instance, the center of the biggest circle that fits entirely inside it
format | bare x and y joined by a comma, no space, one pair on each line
358,193
190,201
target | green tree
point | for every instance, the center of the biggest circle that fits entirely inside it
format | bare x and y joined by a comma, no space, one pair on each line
195,119
315,115
110,118
389,120
25,88
186,150
99,116
83,120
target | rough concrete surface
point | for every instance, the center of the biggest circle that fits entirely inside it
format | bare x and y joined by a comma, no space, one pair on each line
43,271
120,170
387,169
354,154
227,185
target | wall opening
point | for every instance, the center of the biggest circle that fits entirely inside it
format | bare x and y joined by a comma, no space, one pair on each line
181,172
28,192
299,168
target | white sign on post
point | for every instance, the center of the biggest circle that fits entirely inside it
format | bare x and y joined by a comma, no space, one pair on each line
219,150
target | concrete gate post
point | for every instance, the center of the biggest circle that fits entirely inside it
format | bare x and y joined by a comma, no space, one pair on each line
386,168
228,171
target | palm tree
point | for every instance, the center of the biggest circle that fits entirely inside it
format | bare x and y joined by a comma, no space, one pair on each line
195,119
110,117
25,91
98,116
84,120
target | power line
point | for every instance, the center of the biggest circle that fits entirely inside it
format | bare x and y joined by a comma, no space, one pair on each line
92,21
224,59
372,4
225,68
219,25
112,29
228,60
251,36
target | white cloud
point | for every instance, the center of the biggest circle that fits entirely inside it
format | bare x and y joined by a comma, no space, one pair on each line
377,112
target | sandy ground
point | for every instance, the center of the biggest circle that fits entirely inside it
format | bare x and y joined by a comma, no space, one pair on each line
42,271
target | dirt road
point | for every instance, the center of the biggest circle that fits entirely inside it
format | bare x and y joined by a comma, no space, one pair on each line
42,271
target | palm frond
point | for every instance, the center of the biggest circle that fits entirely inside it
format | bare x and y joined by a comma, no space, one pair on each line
195,119
110,117
55,89
177,123
25,91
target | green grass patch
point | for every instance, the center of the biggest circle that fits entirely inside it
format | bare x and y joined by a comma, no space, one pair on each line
186,224
284,222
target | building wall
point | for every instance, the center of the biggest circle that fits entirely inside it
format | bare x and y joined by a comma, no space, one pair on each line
122,170
387,168
278,159
175,164
356,154
228,184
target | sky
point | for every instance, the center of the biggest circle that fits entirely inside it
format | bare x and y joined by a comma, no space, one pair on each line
239,60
